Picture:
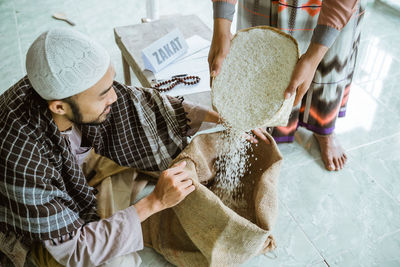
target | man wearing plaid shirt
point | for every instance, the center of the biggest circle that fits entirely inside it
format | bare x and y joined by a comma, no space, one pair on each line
67,104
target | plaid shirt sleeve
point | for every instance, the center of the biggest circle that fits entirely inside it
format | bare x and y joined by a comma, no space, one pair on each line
32,203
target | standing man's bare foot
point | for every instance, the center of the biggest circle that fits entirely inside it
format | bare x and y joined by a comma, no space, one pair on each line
332,153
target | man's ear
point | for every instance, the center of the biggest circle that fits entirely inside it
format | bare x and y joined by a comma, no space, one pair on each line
58,107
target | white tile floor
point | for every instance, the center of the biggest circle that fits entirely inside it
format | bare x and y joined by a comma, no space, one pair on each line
346,218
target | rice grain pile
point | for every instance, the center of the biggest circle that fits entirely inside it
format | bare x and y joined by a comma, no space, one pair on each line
231,165
248,94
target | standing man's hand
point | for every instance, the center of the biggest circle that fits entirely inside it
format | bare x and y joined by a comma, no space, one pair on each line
172,187
261,133
304,71
220,45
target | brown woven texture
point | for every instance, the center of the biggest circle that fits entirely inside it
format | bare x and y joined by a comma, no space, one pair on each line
203,231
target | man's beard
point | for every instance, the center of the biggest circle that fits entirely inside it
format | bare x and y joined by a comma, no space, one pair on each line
77,117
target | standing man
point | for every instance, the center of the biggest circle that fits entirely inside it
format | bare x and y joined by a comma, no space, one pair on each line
328,34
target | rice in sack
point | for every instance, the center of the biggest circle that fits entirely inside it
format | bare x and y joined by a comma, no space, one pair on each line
203,230
229,217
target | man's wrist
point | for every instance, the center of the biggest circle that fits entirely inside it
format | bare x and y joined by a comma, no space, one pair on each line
315,53
212,116
148,206
155,203
222,26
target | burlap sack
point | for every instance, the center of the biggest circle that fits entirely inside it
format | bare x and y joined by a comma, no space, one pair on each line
203,231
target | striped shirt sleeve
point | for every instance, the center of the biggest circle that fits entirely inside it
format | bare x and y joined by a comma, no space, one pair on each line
224,9
333,16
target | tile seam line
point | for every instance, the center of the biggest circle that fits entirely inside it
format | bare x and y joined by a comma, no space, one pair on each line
385,106
305,234
390,195
19,39
378,184
373,142
319,157
281,203
309,160
369,80
362,82
386,35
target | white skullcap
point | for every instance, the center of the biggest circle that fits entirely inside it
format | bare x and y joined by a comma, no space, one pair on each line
62,62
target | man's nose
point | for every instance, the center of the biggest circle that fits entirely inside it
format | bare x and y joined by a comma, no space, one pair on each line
113,96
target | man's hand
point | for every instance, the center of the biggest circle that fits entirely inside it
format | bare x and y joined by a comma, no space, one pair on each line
172,187
220,45
212,116
304,71
260,133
